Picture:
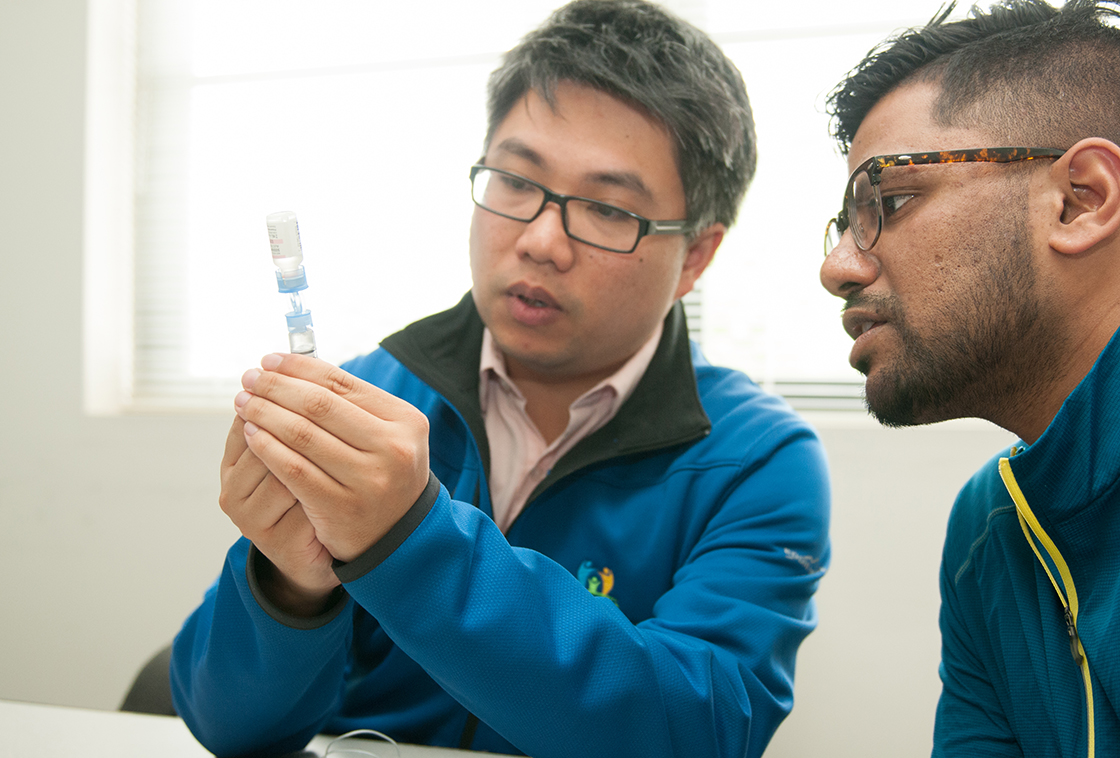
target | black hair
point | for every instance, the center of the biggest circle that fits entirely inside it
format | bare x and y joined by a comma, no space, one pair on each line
639,53
1028,72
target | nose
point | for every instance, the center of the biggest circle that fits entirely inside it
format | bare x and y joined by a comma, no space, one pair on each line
847,268
544,240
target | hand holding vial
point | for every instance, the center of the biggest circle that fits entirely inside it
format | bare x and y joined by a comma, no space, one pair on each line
318,465
353,456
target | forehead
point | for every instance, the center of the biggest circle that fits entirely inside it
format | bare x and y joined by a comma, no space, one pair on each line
585,131
902,122
579,105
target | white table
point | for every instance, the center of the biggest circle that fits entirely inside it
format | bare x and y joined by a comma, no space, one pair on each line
31,730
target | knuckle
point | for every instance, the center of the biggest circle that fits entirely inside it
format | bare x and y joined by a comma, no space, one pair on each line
226,502
300,434
402,452
318,405
396,453
294,471
412,417
340,382
421,422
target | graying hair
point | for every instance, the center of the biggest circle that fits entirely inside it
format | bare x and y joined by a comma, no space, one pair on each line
667,68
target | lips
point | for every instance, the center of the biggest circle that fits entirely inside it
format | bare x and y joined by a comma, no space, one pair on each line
533,297
858,323
865,314
857,327
864,311
533,307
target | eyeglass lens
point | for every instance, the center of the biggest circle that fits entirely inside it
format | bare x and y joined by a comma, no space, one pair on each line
595,223
863,211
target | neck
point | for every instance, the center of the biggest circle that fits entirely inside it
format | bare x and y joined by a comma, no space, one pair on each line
548,398
1035,410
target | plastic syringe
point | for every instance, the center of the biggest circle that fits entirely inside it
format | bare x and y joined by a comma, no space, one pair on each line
287,255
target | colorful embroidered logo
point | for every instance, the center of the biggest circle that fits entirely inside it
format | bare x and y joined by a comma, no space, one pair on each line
598,582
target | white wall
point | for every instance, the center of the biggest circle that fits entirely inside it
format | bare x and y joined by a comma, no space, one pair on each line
110,532
867,681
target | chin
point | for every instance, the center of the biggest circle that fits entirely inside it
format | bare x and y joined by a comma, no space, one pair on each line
897,403
891,402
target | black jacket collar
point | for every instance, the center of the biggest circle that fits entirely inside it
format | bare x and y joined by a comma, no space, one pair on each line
664,410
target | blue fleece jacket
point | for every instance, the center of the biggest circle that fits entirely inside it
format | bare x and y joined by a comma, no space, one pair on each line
648,601
1011,686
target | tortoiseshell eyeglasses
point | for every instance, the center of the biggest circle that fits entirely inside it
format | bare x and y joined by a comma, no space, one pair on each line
862,211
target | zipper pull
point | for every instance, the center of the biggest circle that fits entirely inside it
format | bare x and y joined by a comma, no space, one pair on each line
1074,640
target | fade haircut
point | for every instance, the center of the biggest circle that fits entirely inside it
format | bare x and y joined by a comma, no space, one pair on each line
1028,72
659,64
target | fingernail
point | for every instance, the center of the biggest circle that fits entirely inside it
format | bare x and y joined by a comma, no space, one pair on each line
250,428
271,361
249,378
241,399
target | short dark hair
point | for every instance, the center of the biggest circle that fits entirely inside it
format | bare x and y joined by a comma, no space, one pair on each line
654,61
1026,71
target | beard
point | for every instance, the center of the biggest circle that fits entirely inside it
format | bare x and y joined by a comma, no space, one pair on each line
995,344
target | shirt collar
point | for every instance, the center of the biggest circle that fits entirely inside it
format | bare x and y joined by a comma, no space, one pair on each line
492,369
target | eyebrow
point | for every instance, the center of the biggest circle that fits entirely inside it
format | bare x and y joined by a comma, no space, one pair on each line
516,147
624,179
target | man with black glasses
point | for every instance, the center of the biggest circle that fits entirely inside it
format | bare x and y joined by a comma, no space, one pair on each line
978,254
539,521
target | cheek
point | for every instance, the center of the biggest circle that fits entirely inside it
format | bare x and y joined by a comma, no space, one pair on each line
936,288
659,272
486,243
642,288
475,243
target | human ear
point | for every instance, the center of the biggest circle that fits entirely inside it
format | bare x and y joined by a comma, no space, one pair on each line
1089,179
701,250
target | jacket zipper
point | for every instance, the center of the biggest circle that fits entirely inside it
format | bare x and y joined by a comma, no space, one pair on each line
1031,526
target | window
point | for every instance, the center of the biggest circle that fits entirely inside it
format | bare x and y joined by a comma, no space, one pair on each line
363,119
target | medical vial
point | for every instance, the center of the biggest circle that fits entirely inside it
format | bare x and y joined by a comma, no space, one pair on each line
287,256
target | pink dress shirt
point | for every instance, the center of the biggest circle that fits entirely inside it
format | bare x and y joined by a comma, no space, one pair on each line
519,456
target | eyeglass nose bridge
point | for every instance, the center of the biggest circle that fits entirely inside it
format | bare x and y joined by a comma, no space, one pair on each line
560,200
834,231
832,235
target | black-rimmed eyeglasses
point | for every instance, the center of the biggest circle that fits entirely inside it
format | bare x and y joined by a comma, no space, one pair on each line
589,221
862,211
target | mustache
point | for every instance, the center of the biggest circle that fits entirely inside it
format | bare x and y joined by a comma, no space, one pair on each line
886,307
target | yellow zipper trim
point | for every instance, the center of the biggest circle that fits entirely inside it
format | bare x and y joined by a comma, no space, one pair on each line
1030,524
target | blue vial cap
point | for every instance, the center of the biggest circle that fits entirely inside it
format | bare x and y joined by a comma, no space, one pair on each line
299,322
295,281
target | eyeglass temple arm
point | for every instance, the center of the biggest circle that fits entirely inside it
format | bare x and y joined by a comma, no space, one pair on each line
666,227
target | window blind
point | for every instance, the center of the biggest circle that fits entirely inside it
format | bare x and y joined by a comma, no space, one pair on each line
364,120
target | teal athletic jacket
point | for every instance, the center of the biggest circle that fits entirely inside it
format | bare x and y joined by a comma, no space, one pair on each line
648,601
1012,685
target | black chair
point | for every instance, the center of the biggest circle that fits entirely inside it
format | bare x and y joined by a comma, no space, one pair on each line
151,690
